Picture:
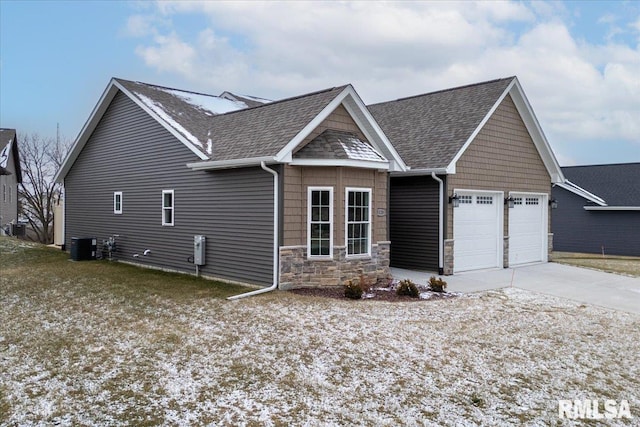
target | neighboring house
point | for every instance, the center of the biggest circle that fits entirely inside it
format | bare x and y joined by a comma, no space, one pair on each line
481,172
291,192
10,177
598,210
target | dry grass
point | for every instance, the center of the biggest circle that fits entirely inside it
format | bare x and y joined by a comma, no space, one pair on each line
626,265
107,344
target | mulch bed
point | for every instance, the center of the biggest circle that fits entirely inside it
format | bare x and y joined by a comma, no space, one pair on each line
375,294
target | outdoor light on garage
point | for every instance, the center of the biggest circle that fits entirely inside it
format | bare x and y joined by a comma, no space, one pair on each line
454,200
553,203
509,201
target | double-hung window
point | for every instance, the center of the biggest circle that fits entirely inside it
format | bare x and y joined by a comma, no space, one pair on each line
358,221
117,202
167,207
320,222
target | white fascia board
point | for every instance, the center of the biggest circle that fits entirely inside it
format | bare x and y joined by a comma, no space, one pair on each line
368,164
535,131
230,164
579,191
96,114
611,208
164,124
421,172
358,111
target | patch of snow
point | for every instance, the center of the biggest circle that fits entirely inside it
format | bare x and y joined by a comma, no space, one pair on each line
210,103
159,109
360,150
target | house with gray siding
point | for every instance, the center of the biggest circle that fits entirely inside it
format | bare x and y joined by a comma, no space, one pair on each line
598,210
287,193
10,177
477,193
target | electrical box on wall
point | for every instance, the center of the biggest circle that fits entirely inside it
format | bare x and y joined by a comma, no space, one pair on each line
198,249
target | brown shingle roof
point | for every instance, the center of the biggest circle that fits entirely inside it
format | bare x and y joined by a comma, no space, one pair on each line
234,131
429,130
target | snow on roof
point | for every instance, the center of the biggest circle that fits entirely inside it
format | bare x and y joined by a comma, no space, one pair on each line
359,150
211,104
159,110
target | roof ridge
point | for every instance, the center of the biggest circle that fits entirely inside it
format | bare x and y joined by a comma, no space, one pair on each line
446,90
168,88
601,164
279,101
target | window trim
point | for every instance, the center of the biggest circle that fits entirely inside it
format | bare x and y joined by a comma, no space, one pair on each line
346,222
331,229
170,208
117,194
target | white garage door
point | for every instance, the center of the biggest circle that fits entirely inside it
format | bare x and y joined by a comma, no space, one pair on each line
527,229
477,234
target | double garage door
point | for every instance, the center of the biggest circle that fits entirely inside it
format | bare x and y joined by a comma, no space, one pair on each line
478,225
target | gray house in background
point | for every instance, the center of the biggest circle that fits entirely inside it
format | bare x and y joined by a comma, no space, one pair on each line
10,177
598,210
292,192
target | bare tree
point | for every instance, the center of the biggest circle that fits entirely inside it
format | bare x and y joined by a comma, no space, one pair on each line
40,159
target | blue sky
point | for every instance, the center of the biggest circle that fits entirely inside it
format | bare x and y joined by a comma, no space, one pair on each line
578,62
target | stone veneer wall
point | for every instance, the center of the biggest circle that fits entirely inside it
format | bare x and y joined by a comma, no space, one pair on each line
297,271
549,246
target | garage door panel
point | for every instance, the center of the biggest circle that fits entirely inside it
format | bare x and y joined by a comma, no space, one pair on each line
477,231
527,229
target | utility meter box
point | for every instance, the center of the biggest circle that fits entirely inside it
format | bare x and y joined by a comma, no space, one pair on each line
198,249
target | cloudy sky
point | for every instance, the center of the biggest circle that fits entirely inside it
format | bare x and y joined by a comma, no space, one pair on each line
578,62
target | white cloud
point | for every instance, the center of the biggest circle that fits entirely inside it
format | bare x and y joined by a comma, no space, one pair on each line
579,91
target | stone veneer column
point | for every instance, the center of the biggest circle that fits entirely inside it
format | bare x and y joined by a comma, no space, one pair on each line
448,257
505,252
549,246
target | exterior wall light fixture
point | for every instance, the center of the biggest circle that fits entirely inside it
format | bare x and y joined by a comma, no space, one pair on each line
510,201
454,200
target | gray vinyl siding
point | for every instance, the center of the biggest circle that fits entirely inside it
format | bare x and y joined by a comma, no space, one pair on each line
130,152
577,230
9,189
413,219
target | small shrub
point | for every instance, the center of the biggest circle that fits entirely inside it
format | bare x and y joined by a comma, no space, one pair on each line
408,288
353,289
437,284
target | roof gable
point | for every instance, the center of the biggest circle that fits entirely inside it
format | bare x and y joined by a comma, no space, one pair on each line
9,150
432,131
617,184
226,133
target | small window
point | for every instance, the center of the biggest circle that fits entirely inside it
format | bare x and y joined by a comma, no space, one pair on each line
466,200
358,221
167,207
484,200
320,222
117,202
517,201
531,201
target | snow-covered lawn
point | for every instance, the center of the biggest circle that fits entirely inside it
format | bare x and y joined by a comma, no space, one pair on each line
75,354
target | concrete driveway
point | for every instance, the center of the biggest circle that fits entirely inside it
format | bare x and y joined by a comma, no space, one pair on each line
575,283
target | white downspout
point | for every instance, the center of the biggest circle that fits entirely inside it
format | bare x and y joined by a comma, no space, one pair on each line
276,245
440,224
